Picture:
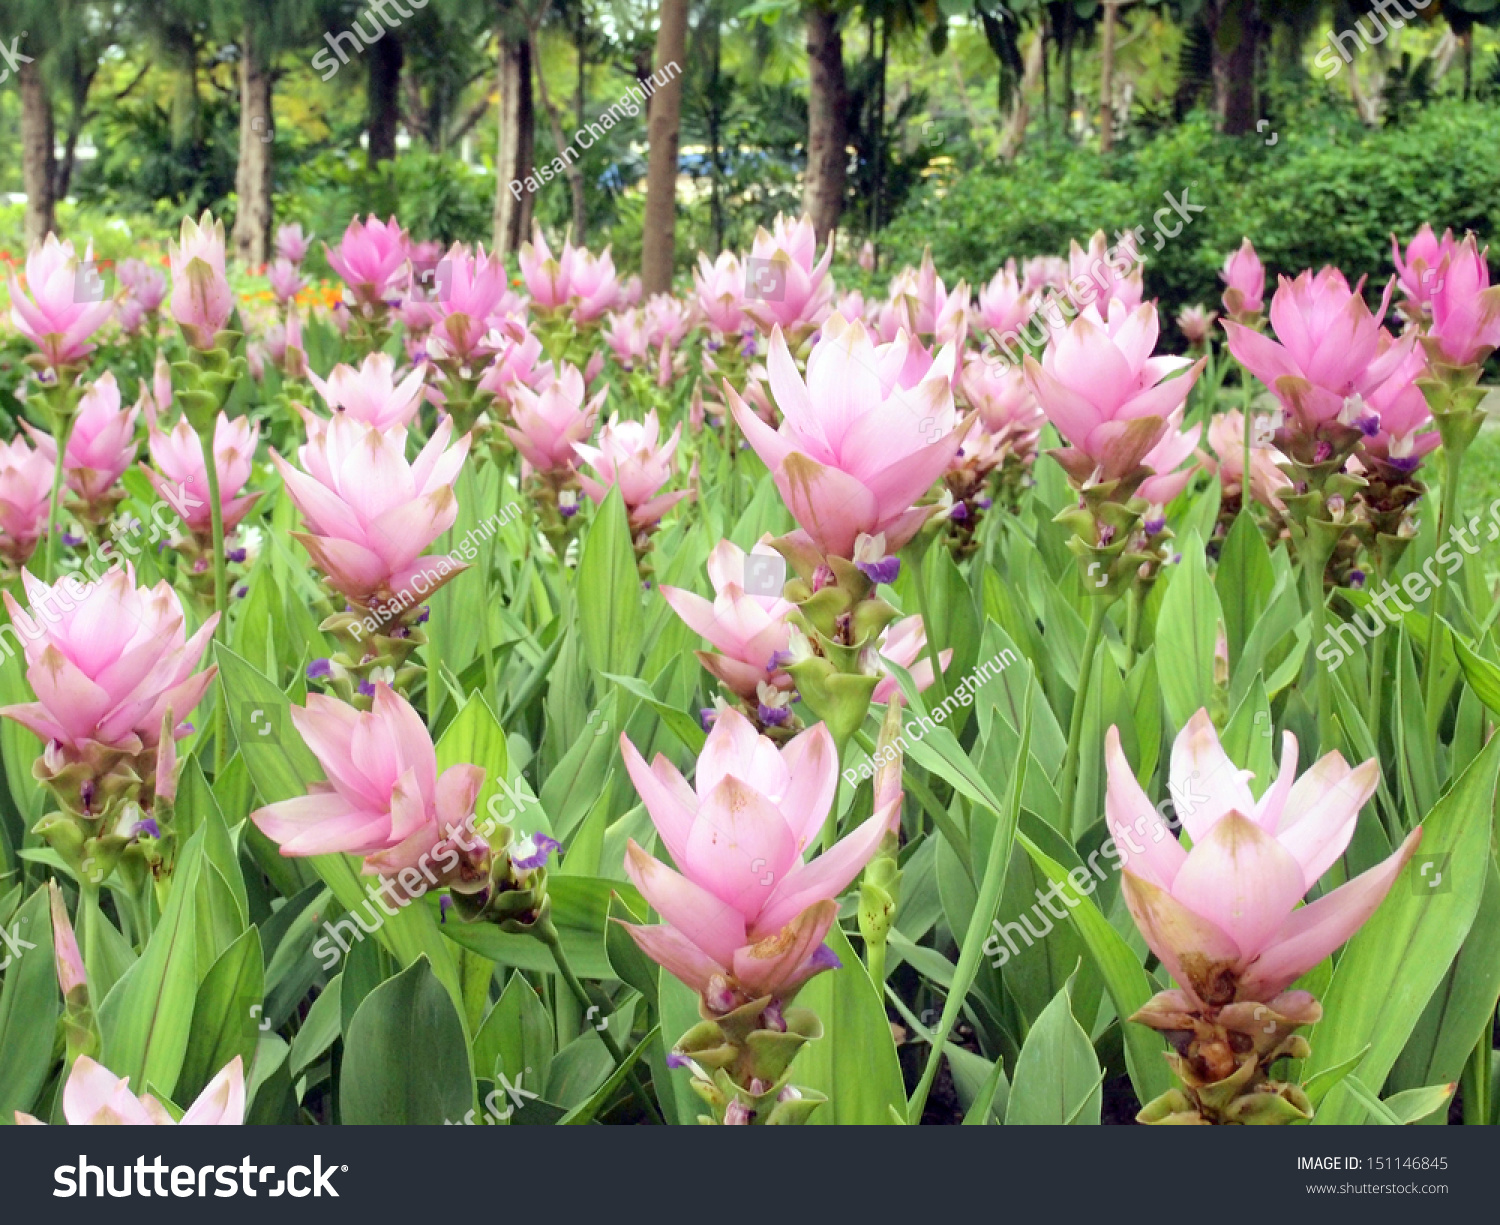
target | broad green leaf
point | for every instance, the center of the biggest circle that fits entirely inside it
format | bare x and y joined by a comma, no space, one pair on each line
516,1038
1057,1077
226,1016
1189,622
608,584
406,1059
320,1028
28,1006
1390,968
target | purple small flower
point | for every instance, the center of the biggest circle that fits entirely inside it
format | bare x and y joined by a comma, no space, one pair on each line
235,555
366,689
445,904
1356,578
984,503
86,794
737,1114
568,511
959,513
772,716
674,1060
824,959
423,615
883,571
71,541
1323,453
1155,525
706,716
319,669
543,846
822,577
1407,464
399,631
241,591
778,660
188,729
147,827
1106,534
774,1018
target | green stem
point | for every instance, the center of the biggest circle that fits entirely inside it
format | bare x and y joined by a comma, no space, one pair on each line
62,430
221,589
1476,1080
547,933
1068,780
931,803
1452,462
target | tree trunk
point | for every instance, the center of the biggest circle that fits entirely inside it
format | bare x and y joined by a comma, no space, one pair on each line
513,158
37,169
384,98
1234,28
659,243
581,47
1106,80
252,178
827,108
1020,113
185,103
571,168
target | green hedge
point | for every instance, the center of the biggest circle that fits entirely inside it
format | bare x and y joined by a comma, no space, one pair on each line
1325,192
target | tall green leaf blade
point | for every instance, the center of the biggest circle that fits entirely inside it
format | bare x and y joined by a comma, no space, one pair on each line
610,619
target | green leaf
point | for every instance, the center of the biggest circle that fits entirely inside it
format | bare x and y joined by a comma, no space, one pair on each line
405,1058
1392,965
28,1007
1244,581
320,1028
146,1018
1057,1077
1189,621
1128,984
608,584
854,1063
585,1112
1482,675
1416,1104
226,1016
516,1038
987,902
683,725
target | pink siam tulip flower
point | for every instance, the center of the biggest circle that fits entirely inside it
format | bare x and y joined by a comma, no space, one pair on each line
720,287
371,260
667,321
631,455
384,798
25,491
1223,917
593,287
467,293
905,643
1101,266
182,479
49,313
286,280
548,280
1245,281
867,256
147,285
291,243
1099,385
547,424
370,513
371,395
1329,347
1402,437
1418,271
1005,403
787,285
101,445
1465,309
201,298
856,447
130,315
745,916
516,362
627,338
283,345
851,305
1042,271
1196,323
630,294
1226,439
94,1096
106,666
1164,458
751,631
1003,305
